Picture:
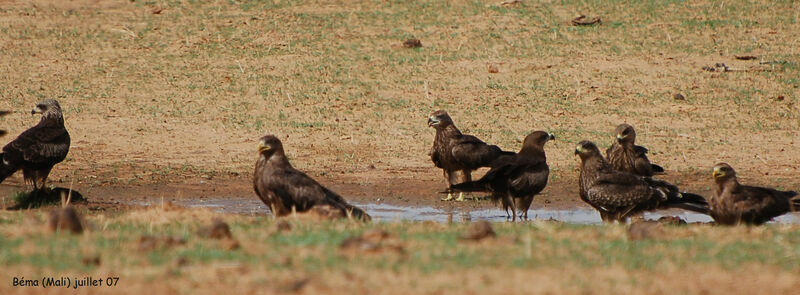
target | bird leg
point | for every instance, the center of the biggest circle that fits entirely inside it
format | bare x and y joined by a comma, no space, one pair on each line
466,176
513,207
449,176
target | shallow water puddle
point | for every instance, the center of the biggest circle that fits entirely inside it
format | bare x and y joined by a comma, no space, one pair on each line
393,213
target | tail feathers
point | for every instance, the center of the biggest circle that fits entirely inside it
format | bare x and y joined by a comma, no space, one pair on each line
471,186
689,201
657,169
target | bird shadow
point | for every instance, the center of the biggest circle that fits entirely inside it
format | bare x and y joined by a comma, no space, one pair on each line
45,197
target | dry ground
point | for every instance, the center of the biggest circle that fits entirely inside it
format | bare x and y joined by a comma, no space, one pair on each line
303,256
168,98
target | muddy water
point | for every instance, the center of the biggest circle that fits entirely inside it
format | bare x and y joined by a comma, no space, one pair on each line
393,213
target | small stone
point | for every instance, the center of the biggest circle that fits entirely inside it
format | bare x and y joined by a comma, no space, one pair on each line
678,96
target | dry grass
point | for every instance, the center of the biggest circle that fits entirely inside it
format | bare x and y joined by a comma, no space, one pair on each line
187,91
420,258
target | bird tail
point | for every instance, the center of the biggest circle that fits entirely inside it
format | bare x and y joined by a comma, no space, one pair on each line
6,169
689,201
470,186
657,169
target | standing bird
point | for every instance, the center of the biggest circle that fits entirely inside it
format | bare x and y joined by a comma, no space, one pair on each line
515,178
39,148
3,113
734,203
625,155
453,151
285,189
618,195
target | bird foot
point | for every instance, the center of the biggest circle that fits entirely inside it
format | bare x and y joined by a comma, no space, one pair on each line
460,197
448,198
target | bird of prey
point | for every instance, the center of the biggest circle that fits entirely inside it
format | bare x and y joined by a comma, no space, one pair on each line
453,151
3,113
515,178
39,148
734,203
618,195
625,155
285,189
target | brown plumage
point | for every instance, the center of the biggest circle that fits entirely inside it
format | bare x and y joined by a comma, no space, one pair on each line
285,189
453,151
618,195
516,177
625,155
734,203
39,148
3,113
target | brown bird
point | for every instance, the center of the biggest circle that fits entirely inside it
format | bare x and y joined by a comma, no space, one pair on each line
625,155
453,151
285,189
618,195
39,148
515,178
734,203
3,132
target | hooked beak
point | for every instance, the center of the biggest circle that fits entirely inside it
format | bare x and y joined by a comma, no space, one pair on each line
36,110
432,121
717,173
552,137
262,147
620,137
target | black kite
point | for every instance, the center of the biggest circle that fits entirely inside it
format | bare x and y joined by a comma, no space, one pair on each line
618,195
285,189
734,203
515,178
453,151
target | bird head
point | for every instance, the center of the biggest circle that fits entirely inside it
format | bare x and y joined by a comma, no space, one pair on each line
268,145
625,133
439,119
723,171
47,107
538,138
586,149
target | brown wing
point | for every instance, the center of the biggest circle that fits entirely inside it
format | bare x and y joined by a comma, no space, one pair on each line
38,147
292,189
758,204
616,190
473,153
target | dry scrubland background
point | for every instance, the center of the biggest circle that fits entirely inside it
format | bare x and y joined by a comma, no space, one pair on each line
185,88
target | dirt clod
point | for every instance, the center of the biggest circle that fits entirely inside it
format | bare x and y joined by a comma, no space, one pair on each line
672,220
493,68
478,231
412,43
65,219
90,260
642,230
582,20
283,226
217,230
678,96
149,243
745,57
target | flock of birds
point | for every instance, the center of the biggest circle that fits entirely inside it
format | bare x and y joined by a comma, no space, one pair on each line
619,185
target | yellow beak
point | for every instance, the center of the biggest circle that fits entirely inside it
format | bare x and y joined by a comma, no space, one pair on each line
717,173
262,147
